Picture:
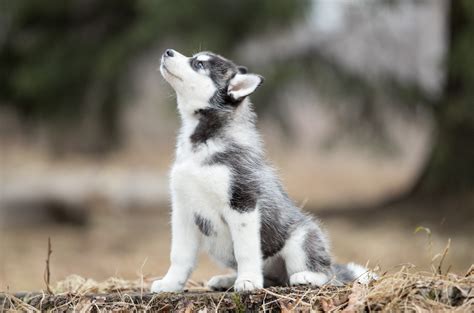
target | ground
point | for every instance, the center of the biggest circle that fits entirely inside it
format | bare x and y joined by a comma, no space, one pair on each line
404,290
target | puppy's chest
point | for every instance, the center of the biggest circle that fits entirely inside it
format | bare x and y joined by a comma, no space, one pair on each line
202,190
197,183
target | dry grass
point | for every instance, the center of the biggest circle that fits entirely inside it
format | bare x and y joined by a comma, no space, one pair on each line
404,290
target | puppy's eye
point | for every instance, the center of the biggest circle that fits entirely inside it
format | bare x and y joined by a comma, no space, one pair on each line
200,65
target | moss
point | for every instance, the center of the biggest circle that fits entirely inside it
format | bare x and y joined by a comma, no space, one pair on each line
239,306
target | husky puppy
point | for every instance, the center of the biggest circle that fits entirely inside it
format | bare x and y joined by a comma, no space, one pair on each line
226,199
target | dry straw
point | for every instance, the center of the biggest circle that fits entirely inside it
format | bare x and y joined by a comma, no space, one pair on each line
403,290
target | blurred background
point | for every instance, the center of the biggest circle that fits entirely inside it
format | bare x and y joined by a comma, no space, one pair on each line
367,111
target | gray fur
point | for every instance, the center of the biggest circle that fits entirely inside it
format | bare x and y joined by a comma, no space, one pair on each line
204,225
275,273
317,255
343,274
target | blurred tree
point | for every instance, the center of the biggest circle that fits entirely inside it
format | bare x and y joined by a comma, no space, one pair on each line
62,59
451,167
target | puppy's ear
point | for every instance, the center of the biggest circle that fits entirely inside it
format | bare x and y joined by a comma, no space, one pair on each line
242,85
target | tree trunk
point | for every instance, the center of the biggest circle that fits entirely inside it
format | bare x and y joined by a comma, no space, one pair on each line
451,168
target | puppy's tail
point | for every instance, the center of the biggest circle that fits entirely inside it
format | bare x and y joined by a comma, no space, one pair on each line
351,272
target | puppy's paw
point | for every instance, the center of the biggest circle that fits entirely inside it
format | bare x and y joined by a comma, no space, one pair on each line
221,282
248,282
163,285
308,278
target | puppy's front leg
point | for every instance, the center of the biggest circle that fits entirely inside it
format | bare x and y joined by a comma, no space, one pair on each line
184,249
245,231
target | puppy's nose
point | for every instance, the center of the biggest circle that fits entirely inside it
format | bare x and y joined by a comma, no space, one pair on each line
169,52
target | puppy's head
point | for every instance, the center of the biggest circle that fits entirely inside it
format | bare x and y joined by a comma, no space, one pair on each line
207,79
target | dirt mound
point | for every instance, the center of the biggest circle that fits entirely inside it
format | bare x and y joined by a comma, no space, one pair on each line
405,290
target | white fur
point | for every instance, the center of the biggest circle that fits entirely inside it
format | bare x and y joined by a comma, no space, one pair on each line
243,85
296,266
203,57
293,247
245,232
193,89
364,276
222,281
308,278
184,248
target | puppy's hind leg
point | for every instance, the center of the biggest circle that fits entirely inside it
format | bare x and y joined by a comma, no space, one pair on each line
222,282
307,257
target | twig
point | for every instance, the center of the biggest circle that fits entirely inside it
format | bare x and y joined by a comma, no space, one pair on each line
47,271
222,298
445,252
279,296
141,278
304,295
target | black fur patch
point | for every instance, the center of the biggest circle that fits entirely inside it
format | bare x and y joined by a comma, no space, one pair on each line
221,71
221,100
204,225
211,122
317,256
244,188
274,230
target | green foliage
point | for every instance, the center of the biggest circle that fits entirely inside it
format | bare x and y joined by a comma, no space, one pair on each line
52,52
